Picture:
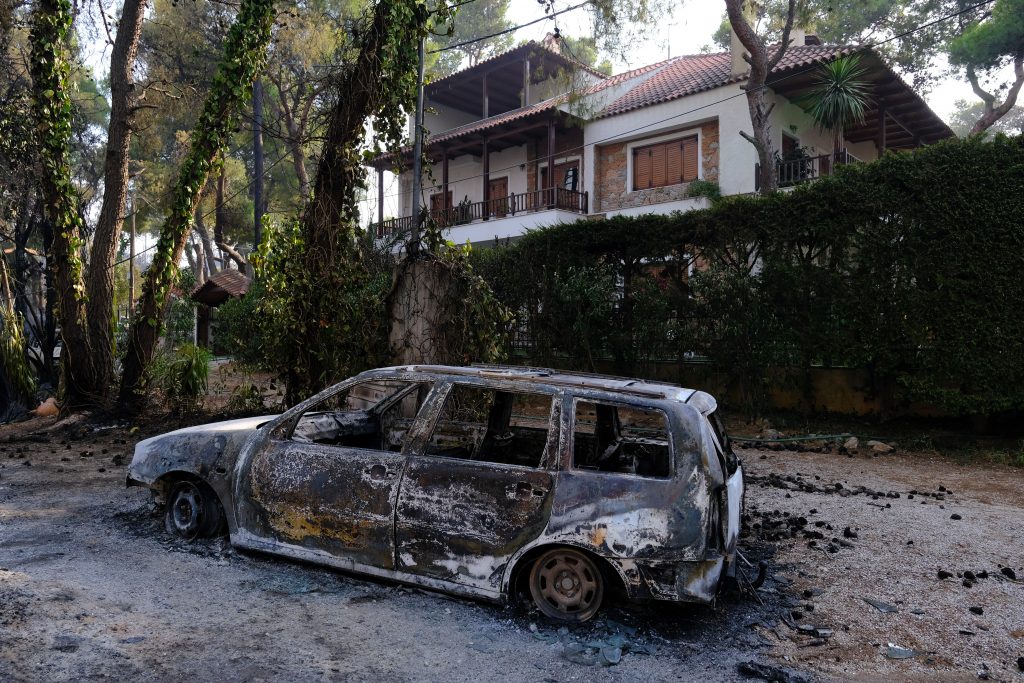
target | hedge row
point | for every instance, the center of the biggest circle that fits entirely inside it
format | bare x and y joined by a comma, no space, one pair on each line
910,267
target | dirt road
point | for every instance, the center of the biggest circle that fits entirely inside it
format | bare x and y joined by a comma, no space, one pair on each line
92,588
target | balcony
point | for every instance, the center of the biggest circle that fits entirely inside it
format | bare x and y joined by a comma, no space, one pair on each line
512,208
792,172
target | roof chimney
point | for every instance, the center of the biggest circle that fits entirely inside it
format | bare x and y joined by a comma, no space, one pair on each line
552,43
797,36
736,49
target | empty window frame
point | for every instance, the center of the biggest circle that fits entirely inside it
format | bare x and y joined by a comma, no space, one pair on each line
665,163
375,414
609,437
492,425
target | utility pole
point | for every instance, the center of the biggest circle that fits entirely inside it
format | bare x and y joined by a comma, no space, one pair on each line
417,171
257,155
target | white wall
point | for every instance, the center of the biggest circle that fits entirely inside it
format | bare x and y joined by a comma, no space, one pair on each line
437,118
465,177
736,155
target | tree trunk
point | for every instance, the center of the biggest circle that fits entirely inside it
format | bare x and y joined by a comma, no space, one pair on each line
51,74
204,236
123,100
220,220
244,54
761,65
330,219
992,113
257,163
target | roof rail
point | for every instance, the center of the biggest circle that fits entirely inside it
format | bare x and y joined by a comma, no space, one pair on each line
571,373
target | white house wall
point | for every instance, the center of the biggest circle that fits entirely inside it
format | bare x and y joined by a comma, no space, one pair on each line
465,177
736,155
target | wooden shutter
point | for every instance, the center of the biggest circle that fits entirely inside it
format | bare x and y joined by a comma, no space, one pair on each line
658,166
641,168
689,153
673,163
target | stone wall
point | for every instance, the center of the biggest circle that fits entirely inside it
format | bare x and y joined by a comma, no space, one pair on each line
612,184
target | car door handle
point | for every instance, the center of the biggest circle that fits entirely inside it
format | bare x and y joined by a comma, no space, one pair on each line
525,489
379,472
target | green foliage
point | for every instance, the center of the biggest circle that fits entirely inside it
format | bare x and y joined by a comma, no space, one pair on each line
584,51
180,321
839,96
54,113
243,58
246,399
478,324
708,189
899,266
294,317
240,330
988,43
12,356
472,21
182,376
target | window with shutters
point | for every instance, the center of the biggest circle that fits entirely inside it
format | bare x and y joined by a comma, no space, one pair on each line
666,163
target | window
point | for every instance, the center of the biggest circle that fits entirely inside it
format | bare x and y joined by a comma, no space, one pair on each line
620,438
666,163
376,414
492,425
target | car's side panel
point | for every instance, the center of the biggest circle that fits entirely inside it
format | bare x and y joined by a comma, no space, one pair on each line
335,499
461,520
628,516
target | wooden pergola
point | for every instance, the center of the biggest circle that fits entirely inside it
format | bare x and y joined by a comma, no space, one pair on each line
497,91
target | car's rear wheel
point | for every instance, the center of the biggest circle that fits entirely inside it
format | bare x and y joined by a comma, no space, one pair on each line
566,585
192,511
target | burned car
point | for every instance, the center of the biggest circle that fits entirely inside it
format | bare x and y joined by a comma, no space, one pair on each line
482,481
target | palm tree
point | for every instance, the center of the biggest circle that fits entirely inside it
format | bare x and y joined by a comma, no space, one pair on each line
839,97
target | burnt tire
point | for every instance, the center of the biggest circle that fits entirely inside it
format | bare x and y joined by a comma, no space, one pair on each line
566,585
193,511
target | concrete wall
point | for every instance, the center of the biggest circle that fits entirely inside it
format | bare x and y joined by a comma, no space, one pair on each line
841,391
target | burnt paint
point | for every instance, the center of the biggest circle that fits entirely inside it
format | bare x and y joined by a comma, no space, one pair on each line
464,525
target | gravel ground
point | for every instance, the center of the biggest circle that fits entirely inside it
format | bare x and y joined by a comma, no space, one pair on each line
92,588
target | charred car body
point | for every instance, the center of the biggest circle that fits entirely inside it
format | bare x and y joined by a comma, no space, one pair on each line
476,481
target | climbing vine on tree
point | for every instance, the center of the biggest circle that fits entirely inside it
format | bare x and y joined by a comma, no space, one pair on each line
53,110
244,54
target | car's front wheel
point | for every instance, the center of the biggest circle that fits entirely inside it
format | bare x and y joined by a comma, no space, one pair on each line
566,585
192,511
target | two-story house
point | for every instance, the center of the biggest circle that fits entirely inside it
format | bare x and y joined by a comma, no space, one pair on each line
530,138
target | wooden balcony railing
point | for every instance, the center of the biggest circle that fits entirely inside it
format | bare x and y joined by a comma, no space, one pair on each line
803,169
498,207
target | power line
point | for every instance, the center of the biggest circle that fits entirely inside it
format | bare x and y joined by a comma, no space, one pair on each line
510,30
800,72
212,211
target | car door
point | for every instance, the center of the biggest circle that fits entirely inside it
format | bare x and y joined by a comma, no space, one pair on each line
331,483
478,486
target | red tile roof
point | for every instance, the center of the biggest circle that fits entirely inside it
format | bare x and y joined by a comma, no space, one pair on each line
551,103
692,74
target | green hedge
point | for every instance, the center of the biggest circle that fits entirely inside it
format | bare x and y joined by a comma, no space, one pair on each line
910,267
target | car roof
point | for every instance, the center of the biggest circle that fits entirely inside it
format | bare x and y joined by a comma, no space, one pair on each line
580,380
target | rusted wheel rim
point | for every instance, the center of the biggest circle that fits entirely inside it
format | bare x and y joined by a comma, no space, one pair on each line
187,510
567,585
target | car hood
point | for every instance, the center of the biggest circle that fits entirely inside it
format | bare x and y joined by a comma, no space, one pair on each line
195,449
